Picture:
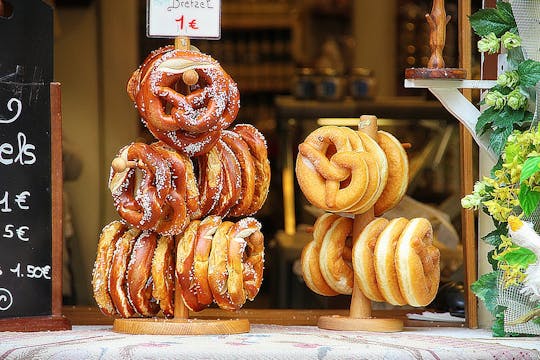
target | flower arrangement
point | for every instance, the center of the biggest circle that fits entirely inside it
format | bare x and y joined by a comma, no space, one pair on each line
512,191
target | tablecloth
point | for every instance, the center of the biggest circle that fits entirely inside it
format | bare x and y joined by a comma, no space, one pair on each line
268,342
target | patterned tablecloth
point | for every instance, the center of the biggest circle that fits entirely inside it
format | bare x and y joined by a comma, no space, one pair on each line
268,342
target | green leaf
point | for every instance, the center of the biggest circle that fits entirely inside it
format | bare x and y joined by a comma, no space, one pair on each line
519,256
498,324
514,57
486,290
498,138
492,261
494,237
485,120
528,199
498,21
530,167
529,72
507,117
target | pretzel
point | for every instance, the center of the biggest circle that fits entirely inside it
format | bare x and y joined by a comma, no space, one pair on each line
247,174
174,218
117,273
203,244
385,267
258,149
210,180
163,274
327,158
398,173
418,263
140,191
310,257
184,261
231,189
217,267
139,281
211,105
336,271
363,259
253,265
237,236
100,275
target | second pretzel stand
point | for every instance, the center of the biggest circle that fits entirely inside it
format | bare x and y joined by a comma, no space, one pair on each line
181,324
359,318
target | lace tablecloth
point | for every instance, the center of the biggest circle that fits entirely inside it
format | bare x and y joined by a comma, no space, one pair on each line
268,342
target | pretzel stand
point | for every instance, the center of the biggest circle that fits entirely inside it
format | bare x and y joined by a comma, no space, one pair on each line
360,309
181,323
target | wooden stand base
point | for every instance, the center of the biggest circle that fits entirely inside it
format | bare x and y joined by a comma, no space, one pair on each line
443,73
35,323
345,323
159,326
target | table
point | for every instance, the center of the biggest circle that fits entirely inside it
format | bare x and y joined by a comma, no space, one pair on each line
268,342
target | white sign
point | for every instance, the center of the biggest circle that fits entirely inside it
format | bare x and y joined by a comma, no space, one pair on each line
190,18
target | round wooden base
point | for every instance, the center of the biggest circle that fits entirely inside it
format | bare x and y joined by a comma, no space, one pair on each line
160,326
336,322
427,73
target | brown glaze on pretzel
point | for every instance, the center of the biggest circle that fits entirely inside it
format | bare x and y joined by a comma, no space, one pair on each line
257,146
117,273
210,180
140,192
253,264
139,275
100,275
163,274
247,173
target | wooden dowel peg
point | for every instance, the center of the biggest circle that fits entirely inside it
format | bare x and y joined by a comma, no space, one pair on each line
120,164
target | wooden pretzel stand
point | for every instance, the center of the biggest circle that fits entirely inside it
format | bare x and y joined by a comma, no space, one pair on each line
180,324
360,310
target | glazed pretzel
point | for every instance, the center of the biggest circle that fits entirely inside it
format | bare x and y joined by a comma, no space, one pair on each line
211,104
139,191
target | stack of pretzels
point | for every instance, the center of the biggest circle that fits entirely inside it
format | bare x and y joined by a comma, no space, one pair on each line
393,261
174,195
347,173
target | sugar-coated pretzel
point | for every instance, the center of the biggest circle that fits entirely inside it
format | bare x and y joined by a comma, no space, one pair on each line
184,261
337,272
140,191
232,180
163,274
258,148
139,279
418,263
117,275
203,244
247,173
211,104
210,180
174,218
237,236
217,266
100,275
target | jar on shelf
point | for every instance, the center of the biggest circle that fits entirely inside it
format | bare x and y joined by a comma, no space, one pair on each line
304,83
330,85
362,84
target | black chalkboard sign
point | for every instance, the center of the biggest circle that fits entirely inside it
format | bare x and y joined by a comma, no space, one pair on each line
30,210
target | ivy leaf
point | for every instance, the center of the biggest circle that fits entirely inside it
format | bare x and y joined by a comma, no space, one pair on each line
529,72
498,138
530,167
507,117
485,120
519,256
528,199
486,290
498,20
494,237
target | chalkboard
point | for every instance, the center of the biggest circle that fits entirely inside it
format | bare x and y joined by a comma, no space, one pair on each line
30,170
